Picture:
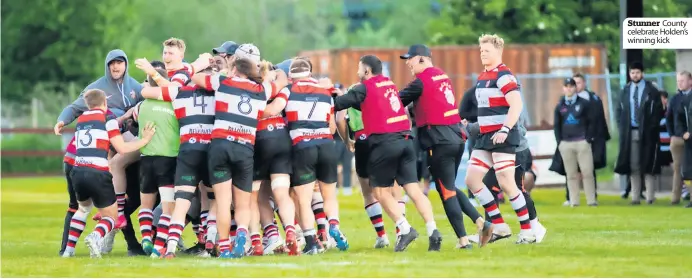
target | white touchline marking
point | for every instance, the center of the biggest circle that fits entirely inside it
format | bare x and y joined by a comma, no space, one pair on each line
225,263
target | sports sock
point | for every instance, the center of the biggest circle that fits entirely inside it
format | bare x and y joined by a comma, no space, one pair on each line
120,198
77,224
430,227
104,226
374,211
174,231
403,225
486,199
66,229
162,231
146,218
519,206
320,216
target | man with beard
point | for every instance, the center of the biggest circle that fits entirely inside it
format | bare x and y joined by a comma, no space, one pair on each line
639,113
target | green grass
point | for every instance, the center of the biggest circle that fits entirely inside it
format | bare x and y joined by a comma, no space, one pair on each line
613,240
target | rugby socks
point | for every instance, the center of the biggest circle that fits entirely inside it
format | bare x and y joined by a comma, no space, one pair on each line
66,229
402,205
76,228
486,199
374,211
224,245
403,226
318,210
146,219
255,239
120,198
203,225
467,207
174,232
104,226
289,228
272,230
211,231
162,231
519,206
430,227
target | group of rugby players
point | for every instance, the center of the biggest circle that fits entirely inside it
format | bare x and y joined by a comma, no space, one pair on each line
230,141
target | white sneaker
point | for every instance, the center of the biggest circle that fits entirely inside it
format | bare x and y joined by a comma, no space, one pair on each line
539,230
67,254
525,237
566,203
93,241
502,229
381,242
273,243
108,241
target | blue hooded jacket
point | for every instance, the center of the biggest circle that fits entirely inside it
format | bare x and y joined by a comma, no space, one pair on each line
121,96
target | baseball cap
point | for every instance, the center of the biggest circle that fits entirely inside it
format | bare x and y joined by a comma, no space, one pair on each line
570,81
248,51
226,47
417,50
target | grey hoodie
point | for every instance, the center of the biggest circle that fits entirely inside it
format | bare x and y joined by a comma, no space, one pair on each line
474,130
121,97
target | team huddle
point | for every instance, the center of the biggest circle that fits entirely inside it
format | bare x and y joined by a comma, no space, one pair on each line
231,145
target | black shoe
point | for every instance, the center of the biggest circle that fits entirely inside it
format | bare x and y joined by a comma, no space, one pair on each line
136,251
497,237
650,201
435,241
465,247
312,249
404,240
635,203
625,195
194,250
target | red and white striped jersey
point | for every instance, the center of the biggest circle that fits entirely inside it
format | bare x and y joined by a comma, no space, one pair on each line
181,77
92,138
309,108
239,104
491,88
194,108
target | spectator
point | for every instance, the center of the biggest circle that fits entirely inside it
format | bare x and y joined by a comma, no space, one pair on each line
575,128
639,113
677,144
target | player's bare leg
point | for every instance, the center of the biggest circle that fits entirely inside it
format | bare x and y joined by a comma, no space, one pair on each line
256,248
280,185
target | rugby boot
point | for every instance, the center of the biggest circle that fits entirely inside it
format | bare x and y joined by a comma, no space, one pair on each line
404,240
435,241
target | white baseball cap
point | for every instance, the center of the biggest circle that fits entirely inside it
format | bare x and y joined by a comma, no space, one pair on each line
248,51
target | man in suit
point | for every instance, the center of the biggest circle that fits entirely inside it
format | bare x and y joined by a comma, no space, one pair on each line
639,113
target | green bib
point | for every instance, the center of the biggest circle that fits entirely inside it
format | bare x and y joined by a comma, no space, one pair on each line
355,119
166,140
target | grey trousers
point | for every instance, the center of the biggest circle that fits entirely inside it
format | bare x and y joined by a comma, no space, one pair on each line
635,173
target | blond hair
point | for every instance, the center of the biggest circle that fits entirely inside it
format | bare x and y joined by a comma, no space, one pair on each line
493,39
175,42
94,98
685,74
265,67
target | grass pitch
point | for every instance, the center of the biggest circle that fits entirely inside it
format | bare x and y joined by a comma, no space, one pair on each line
612,240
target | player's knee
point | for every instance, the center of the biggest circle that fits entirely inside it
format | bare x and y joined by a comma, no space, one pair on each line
167,194
85,209
280,182
185,195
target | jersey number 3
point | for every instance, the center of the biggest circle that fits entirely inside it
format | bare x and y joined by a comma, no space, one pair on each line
89,139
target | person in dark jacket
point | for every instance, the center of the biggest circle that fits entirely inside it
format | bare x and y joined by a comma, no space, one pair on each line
677,144
638,114
574,127
683,126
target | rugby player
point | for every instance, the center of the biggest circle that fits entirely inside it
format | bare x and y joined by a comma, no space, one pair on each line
194,109
310,112
157,170
499,108
440,135
93,183
239,100
392,156
349,123
273,165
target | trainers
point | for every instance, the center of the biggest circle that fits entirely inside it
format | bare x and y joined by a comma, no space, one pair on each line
147,246
272,245
108,241
292,244
404,240
121,223
339,237
238,250
93,242
526,237
464,247
311,249
256,250
157,254
225,255
67,254
435,241
381,242
540,232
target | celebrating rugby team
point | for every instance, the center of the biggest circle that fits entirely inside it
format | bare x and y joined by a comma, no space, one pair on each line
232,146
